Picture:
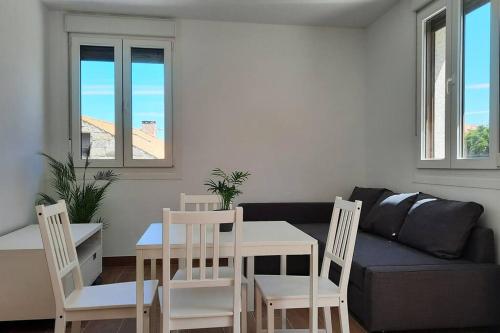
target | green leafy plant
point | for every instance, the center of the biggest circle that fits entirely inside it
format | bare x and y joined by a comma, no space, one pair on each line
83,198
227,185
477,141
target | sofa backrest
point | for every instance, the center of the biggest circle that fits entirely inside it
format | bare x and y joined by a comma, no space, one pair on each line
292,212
480,246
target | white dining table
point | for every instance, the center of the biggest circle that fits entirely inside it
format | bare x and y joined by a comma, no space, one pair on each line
260,238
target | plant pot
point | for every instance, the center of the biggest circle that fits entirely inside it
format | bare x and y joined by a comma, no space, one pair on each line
225,227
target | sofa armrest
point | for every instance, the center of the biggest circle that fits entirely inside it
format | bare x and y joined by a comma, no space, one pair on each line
480,246
292,212
438,296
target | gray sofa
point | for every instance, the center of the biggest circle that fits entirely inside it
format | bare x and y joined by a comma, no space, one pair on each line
394,286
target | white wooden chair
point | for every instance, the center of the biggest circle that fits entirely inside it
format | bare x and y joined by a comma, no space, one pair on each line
203,203
203,297
111,301
288,292
200,202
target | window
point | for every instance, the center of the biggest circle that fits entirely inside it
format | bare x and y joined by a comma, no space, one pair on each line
457,94
121,101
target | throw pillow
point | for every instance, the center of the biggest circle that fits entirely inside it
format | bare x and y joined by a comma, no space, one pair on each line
369,197
388,214
438,226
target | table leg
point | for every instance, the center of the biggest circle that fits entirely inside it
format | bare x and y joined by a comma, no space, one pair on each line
153,269
139,291
258,311
251,282
283,272
313,310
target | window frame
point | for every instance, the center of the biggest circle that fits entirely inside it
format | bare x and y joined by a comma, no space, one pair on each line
454,87
76,40
422,17
489,162
167,45
123,99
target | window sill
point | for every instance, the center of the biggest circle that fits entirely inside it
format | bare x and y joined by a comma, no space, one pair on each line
483,179
137,173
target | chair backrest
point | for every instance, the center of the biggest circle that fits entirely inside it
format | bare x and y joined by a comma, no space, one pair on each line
200,202
203,242
59,246
341,239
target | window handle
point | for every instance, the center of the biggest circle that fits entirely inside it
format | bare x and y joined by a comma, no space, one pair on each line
449,82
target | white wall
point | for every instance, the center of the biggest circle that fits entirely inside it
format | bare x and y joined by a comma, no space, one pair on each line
22,103
390,131
284,102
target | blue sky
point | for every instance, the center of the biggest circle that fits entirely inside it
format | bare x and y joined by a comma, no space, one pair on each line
97,81
477,66
97,101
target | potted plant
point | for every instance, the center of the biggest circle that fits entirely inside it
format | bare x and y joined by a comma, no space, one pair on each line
83,198
227,187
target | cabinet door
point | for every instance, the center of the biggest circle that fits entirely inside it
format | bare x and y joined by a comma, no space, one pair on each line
92,268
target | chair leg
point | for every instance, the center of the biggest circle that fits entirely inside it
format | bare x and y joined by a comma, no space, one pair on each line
237,322
165,321
344,317
161,321
76,326
270,318
146,323
258,310
244,314
328,319
60,326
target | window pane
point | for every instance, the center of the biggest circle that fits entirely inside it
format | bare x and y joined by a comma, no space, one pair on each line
476,79
435,87
148,103
97,97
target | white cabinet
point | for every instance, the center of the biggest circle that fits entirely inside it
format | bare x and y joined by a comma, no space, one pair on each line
25,288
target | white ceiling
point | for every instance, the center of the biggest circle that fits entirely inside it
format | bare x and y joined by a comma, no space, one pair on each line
340,13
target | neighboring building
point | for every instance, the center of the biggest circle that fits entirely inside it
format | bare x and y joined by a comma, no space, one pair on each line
468,128
101,134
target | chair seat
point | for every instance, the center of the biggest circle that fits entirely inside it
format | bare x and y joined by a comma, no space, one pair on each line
224,273
199,302
116,295
291,287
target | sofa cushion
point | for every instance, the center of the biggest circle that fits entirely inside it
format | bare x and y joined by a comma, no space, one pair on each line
369,197
320,232
389,212
438,226
372,250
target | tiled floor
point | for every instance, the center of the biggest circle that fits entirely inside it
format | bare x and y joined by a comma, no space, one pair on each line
123,273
